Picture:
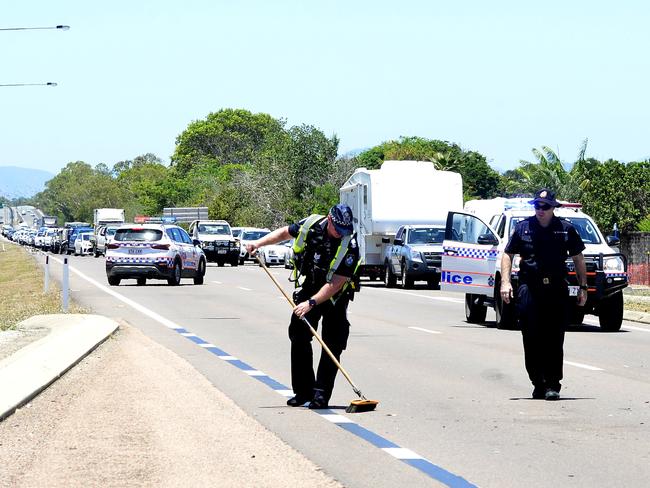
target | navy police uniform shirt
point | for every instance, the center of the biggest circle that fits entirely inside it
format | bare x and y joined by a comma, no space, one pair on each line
544,250
319,252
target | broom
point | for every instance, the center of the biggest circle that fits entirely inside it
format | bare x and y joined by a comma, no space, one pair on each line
356,406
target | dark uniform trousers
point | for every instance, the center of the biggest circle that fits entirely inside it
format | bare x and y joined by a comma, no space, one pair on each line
335,332
543,317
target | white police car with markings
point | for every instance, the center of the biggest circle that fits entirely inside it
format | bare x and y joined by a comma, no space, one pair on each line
471,261
154,251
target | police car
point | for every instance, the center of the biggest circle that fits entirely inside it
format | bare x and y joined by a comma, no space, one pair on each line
151,250
471,262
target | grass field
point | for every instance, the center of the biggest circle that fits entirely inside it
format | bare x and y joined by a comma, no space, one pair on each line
21,288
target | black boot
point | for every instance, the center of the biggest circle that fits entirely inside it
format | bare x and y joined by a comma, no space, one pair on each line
298,400
319,401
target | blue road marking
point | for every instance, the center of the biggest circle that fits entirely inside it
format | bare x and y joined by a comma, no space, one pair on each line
405,455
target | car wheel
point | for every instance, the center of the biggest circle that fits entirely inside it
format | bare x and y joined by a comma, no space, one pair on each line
175,278
407,281
610,312
142,281
200,273
389,277
220,264
234,262
241,261
475,311
113,281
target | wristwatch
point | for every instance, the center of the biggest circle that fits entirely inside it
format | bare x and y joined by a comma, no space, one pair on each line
312,302
584,287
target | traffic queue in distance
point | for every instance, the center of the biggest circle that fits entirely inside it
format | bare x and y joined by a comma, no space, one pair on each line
424,235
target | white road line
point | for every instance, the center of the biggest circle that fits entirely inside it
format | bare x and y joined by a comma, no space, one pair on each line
401,453
244,288
149,313
217,282
426,330
583,366
631,327
441,299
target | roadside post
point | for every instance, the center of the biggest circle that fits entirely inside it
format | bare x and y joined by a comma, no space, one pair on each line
46,286
66,280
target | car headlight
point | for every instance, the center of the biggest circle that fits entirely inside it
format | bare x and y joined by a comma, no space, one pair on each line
613,264
416,255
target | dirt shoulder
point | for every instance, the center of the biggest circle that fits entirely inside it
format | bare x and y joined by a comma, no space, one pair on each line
133,413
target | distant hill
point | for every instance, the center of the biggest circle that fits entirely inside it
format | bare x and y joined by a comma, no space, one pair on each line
18,182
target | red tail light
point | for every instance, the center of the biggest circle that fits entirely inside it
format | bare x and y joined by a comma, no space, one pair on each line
112,246
164,247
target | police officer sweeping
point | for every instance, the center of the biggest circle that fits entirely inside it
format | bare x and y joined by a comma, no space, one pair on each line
544,242
327,257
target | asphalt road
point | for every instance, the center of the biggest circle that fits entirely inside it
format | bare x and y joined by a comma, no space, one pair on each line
453,393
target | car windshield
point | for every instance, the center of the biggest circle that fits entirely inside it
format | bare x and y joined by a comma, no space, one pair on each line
214,229
586,229
138,235
428,235
253,235
85,237
110,231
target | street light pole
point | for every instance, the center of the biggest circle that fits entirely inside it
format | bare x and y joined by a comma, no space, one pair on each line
59,27
49,83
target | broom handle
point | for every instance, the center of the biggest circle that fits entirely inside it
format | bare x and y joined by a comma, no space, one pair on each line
312,330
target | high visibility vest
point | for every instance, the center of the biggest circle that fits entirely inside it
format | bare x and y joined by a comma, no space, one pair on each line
299,246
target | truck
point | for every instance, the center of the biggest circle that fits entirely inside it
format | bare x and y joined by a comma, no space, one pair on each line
104,216
399,193
473,249
415,255
47,221
216,240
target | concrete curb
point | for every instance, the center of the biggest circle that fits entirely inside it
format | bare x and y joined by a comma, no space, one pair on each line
30,370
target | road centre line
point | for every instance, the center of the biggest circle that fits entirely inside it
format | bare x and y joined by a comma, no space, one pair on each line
426,330
583,366
244,288
624,327
217,282
442,299
405,455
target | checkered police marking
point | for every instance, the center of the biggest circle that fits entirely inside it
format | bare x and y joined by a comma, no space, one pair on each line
471,252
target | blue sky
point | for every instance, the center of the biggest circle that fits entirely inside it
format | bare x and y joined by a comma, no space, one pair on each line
495,77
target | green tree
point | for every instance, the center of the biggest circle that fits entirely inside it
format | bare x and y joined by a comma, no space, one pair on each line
229,136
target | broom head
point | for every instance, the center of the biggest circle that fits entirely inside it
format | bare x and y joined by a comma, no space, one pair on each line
362,405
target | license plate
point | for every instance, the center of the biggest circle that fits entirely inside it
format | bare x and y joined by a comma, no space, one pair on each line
135,251
221,251
573,291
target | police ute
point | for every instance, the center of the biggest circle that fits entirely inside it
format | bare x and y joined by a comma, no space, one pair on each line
156,249
471,264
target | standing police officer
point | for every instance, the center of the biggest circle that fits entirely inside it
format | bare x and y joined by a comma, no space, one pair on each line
327,255
544,242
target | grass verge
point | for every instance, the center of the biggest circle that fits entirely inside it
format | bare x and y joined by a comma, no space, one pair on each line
21,288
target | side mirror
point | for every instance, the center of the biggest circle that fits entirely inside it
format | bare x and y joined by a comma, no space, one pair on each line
385,240
398,242
613,241
488,239
196,242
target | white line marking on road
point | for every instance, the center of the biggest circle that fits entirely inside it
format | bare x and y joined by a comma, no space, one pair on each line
426,330
217,282
254,372
285,393
244,288
631,327
401,453
206,344
149,313
337,419
441,299
228,358
583,366
188,334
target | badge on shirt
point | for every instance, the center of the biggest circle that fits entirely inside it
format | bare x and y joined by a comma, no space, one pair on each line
349,260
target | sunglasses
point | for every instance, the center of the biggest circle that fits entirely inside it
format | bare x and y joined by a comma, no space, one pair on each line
542,206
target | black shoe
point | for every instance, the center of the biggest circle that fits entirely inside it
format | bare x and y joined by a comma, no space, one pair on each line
318,402
297,401
539,393
551,394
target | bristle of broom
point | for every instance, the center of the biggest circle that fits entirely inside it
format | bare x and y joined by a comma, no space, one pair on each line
359,406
